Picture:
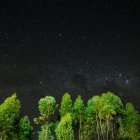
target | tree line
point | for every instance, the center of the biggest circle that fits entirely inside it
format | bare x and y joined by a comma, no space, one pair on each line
103,117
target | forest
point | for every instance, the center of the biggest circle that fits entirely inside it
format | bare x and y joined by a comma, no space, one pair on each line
103,117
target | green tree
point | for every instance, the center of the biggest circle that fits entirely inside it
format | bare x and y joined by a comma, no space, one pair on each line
66,104
111,99
129,124
88,126
105,110
111,109
47,132
97,105
9,116
25,128
47,107
78,113
64,130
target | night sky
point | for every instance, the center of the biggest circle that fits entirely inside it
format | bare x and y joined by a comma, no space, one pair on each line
84,47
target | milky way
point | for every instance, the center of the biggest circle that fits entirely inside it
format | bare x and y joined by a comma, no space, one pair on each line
50,47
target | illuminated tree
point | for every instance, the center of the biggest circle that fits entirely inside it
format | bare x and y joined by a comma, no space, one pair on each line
78,113
66,105
105,109
64,130
25,128
47,107
111,109
9,116
47,132
88,126
129,124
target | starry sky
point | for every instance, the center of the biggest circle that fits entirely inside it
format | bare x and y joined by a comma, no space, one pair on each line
84,47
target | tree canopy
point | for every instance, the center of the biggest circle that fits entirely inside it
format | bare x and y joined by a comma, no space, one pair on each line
103,117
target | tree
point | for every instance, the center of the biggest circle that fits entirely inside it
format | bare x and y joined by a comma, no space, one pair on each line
97,105
112,108
88,126
129,125
111,99
66,105
9,116
78,113
47,107
105,110
25,128
47,132
64,130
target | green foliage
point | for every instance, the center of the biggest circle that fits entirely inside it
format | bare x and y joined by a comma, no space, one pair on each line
78,109
47,107
88,128
103,118
88,125
104,109
66,105
47,132
129,123
90,107
78,113
64,130
9,114
26,129
107,102
113,100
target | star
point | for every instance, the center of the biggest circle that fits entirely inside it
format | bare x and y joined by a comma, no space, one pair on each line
60,34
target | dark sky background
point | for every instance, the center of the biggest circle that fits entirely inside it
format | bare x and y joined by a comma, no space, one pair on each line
84,47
